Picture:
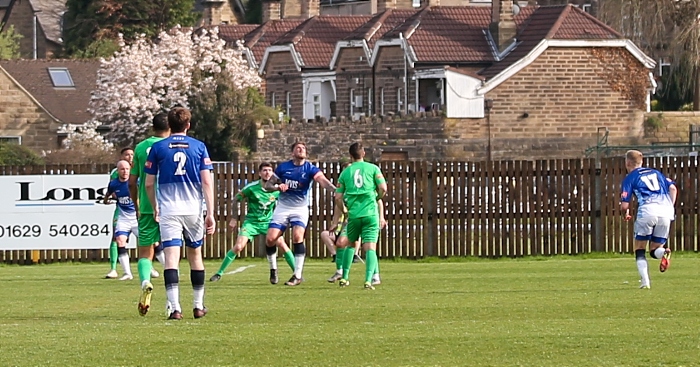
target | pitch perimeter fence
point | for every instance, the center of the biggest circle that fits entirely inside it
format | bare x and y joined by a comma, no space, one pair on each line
485,209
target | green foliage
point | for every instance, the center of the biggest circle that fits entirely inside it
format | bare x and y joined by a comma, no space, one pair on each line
563,311
225,118
675,90
18,155
654,122
9,43
91,25
253,14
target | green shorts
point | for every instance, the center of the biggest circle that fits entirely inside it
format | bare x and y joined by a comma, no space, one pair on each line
343,227
149,230
365,227
251,229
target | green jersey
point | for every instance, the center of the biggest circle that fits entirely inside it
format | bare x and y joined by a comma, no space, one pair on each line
261,203
140,156
358,184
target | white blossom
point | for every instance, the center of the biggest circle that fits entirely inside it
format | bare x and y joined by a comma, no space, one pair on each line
145,78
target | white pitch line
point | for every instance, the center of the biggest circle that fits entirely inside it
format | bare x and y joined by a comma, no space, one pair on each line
240,270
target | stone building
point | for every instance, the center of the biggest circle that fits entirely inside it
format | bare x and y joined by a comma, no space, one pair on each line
38,21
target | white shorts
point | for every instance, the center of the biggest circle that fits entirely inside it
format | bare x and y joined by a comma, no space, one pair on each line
172,228
126,226
289,216
652,228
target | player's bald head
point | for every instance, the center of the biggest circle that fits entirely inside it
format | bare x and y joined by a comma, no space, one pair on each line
122,164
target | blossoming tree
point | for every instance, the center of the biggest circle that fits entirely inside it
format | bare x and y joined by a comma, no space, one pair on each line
148,77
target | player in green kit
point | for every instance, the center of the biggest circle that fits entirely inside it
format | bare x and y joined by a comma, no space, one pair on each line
126,154
359,187
261,204
149,231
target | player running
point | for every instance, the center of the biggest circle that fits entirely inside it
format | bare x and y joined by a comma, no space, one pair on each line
361,185
149,232
126,154
126,215
182,168
294,178
656,196
261,204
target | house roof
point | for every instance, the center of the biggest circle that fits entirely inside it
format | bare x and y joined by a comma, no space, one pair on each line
235,32
69,105
50,17
451,34
552,22
379,25
315,38
264,35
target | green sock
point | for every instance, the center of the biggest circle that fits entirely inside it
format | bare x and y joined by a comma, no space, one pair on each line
289,258
372,264
230,256
113,255
347,261
376,269
339,258
145,266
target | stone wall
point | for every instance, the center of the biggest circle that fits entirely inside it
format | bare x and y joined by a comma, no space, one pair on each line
22,17
20,116
669,126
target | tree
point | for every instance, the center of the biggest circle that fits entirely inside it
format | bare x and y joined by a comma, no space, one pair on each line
18,155
663,28
148,77
9,43
227,116
92,27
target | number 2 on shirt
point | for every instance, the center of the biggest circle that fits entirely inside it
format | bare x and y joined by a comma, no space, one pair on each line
652,182
180,158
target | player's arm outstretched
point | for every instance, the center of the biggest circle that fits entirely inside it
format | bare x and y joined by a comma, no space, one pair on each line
275,184
324,181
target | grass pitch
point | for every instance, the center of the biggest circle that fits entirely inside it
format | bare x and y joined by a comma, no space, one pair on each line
526,312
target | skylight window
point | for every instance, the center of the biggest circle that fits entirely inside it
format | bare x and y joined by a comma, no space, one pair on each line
60,77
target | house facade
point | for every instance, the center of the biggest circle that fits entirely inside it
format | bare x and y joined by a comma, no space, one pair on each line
39,22
37,97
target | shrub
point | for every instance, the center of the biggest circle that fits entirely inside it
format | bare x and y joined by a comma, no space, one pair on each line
18,155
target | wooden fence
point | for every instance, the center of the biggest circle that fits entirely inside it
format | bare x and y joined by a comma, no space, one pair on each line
507,208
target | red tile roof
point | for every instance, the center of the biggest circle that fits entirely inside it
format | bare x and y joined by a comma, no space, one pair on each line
552,22
315,38
380,24
451,34
264,35
232,33
69,105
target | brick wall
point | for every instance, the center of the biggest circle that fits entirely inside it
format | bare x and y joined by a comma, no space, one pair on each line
670,126
282,77
19,115
22,17
352,72
559,101
292,9
389,74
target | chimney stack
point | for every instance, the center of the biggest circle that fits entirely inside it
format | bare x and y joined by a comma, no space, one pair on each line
502,26
310,8
271,10
212,12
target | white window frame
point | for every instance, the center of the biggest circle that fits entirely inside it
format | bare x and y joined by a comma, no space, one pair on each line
399,99
352,103
586,8
51,71
289,103
381,100
369,102
416,3
662,64
273,100
316,99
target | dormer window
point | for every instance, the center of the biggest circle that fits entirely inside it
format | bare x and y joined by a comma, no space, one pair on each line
60,77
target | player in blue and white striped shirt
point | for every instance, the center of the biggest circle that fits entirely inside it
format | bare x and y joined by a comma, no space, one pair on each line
125,215
182,167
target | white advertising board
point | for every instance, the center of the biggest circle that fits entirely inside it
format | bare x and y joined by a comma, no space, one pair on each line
55,212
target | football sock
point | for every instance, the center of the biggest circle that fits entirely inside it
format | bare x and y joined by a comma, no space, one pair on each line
376,269
145,266
159,255
113,255
340,252
197,278
347,261
124,259
299,256
230,256
272,257
289,258
659,252
371,267
172,288
642,266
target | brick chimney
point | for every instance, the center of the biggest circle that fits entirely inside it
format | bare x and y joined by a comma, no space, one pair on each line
502,26
310,8
212,12
271,10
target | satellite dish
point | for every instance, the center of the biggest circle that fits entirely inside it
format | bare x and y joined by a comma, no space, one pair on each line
516,9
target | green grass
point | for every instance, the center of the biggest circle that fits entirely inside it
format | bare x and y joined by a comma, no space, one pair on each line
564,311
